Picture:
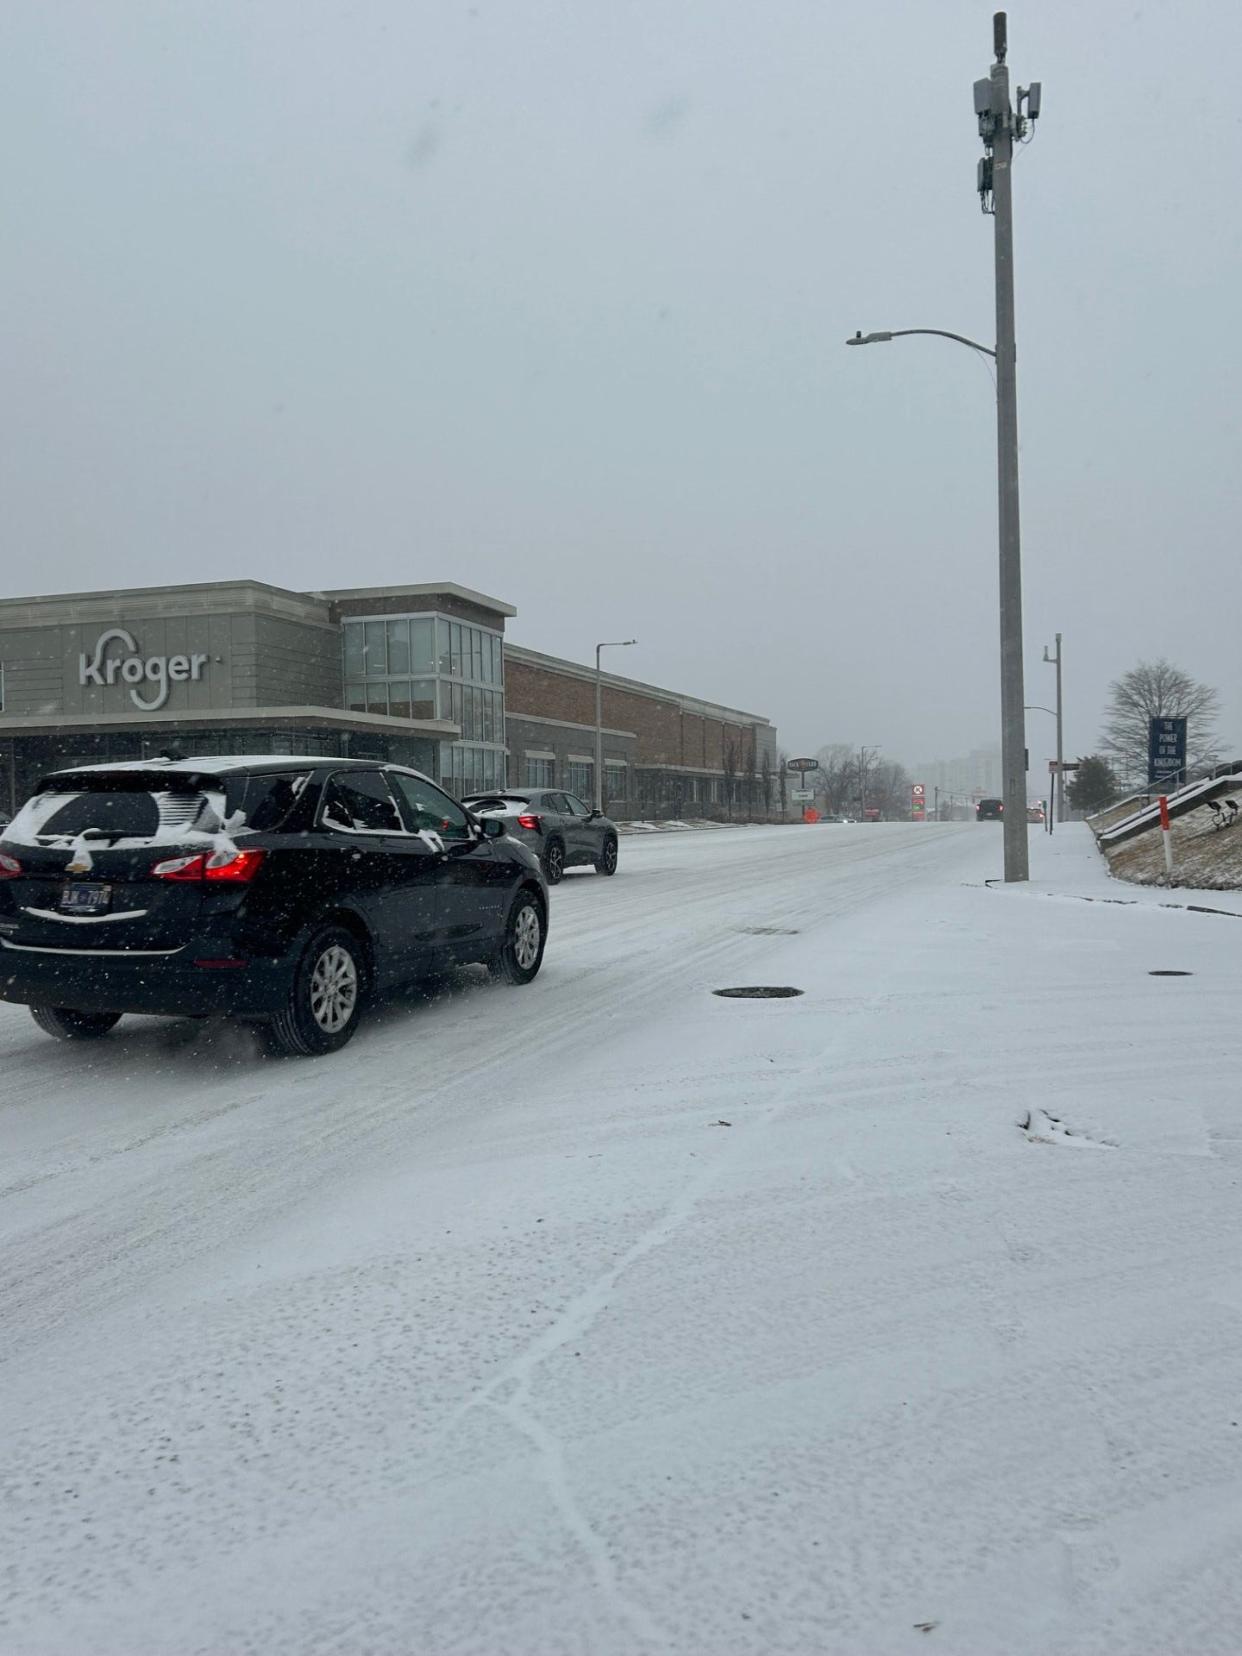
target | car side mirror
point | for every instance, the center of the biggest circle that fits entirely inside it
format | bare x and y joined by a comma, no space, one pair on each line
493,827
595,812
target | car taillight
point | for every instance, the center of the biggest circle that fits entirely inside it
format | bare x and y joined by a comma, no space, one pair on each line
180,868
531,822
10,868
234,866
231,866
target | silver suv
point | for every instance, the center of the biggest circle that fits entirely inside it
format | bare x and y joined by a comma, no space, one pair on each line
561,831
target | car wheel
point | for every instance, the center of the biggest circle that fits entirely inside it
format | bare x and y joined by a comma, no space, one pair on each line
325,1001
73,1026
521,953
607,863
554,863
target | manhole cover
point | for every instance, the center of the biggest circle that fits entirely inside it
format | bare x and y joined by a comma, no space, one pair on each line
1167,972
758,991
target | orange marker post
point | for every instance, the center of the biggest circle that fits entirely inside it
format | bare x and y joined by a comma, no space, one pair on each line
1166,836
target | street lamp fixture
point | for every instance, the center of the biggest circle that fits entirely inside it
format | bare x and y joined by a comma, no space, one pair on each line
614,644
884,336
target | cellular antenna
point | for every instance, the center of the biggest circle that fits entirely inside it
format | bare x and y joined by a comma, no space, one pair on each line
1000,33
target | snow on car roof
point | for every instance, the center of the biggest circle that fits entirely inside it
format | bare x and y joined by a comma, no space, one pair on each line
218,763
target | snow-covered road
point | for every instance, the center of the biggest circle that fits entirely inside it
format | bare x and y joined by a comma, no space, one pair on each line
612,1317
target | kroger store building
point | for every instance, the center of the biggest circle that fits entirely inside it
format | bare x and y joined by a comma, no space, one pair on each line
413,674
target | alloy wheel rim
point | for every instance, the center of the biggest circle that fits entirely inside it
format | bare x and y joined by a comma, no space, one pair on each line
334,989
526,937
554,861
610,856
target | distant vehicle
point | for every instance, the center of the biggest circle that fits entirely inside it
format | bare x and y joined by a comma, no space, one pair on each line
561,831
990,810
275,891
1035,813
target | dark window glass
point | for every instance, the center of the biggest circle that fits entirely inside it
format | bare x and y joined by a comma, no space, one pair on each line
360,800
576,806
128,814
425,807
265,801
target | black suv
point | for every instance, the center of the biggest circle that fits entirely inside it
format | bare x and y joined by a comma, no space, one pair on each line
275,890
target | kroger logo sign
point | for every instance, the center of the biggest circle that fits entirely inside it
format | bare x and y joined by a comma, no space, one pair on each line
153,675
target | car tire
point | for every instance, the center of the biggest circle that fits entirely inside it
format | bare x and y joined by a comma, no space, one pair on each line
67,1025
554,862
325,1000
526,931
607,863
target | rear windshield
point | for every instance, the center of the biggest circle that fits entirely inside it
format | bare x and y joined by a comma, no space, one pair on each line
493,801
142,807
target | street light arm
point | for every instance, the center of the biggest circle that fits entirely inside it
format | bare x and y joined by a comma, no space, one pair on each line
904,333
1034,707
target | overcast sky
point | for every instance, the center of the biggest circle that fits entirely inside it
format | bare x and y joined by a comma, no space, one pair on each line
548,297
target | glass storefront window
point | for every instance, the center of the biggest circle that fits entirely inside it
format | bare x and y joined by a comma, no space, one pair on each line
430,667
398,647
423,646
541,773
581,779
354,667
376,659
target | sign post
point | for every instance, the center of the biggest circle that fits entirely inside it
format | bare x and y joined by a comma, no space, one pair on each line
918,802
801,768
1166,834
1166,752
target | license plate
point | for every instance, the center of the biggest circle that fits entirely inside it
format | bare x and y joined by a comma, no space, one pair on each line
85,899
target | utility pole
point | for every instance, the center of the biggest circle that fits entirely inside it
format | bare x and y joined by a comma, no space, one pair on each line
999,125
1060,788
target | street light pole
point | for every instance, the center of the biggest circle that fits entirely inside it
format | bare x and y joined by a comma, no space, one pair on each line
1056,660
615,644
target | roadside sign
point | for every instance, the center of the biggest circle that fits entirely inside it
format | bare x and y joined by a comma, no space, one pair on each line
1166,751
918,801
802,793
802,765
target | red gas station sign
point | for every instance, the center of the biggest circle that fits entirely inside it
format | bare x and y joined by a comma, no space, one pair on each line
918,801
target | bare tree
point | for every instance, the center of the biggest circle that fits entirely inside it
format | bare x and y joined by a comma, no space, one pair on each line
728,763
765,782
1156,690
782,781
888,790
837,777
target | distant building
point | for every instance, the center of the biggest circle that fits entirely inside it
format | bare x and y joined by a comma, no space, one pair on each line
976,775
